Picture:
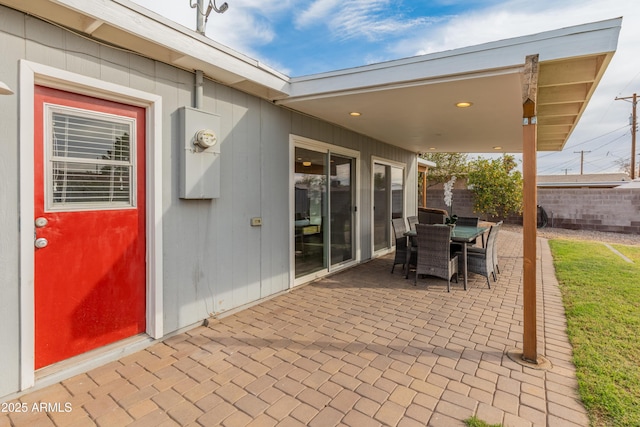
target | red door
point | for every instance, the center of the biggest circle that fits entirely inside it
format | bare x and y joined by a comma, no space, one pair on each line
89,186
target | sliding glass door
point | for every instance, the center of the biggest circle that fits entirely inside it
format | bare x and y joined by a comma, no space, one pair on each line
341,198
388,202
324,215
381,214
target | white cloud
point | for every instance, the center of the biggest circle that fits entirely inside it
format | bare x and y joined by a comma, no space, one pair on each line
318,13
368,19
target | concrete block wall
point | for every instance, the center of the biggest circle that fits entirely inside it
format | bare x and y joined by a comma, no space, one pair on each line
599,209
592,209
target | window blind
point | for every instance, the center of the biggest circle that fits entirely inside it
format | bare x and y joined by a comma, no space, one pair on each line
91,160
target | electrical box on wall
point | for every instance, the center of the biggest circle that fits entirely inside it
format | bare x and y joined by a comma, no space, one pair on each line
199,154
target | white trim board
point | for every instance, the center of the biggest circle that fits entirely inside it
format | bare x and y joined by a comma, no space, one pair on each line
32,74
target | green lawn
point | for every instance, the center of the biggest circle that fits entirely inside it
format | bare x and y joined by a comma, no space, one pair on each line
601,294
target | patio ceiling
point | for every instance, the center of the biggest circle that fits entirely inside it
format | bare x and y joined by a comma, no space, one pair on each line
408,103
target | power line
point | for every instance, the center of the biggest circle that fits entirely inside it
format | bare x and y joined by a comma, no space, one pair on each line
572,161
583,142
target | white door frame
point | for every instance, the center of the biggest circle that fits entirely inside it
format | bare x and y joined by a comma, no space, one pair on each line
32,74
312,144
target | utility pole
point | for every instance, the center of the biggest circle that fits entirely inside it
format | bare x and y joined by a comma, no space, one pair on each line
566,170
581,159
634,123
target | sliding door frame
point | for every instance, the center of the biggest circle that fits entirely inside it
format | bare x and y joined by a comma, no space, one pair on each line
296,141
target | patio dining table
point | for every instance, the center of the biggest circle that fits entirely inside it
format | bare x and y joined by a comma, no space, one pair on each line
459,234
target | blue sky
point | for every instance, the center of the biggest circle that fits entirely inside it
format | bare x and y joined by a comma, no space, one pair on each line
300,37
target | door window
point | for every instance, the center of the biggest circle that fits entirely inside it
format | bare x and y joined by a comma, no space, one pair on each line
90,160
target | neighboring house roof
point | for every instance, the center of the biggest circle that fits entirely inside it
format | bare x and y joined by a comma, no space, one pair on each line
408,103
424,164
588,180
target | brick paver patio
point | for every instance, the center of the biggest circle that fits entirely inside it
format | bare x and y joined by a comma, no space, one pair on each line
359,348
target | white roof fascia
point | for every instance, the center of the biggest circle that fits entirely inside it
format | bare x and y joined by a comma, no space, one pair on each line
138,21
504,56
495,58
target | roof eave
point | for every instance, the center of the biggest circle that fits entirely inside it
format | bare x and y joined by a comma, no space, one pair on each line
158,38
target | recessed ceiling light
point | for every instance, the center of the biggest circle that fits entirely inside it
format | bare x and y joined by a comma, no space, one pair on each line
306,163
464,104
432,148
497,147
355,114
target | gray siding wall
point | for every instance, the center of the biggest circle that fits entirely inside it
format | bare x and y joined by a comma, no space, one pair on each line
11,49
213,259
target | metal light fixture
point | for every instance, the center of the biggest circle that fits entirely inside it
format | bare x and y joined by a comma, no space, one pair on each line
212,5
4,89
203,16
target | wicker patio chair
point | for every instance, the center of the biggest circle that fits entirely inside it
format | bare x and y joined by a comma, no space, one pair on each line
434,256
403,251
482,261
432,216
469,221
412,220
494,249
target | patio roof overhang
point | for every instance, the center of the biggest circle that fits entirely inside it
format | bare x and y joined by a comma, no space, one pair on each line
409,103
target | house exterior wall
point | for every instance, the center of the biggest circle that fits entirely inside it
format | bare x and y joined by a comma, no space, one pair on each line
213,259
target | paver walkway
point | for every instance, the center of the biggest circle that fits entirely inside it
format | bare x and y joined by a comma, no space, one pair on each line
360,348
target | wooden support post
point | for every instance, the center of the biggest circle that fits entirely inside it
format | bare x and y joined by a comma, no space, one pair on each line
529,207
